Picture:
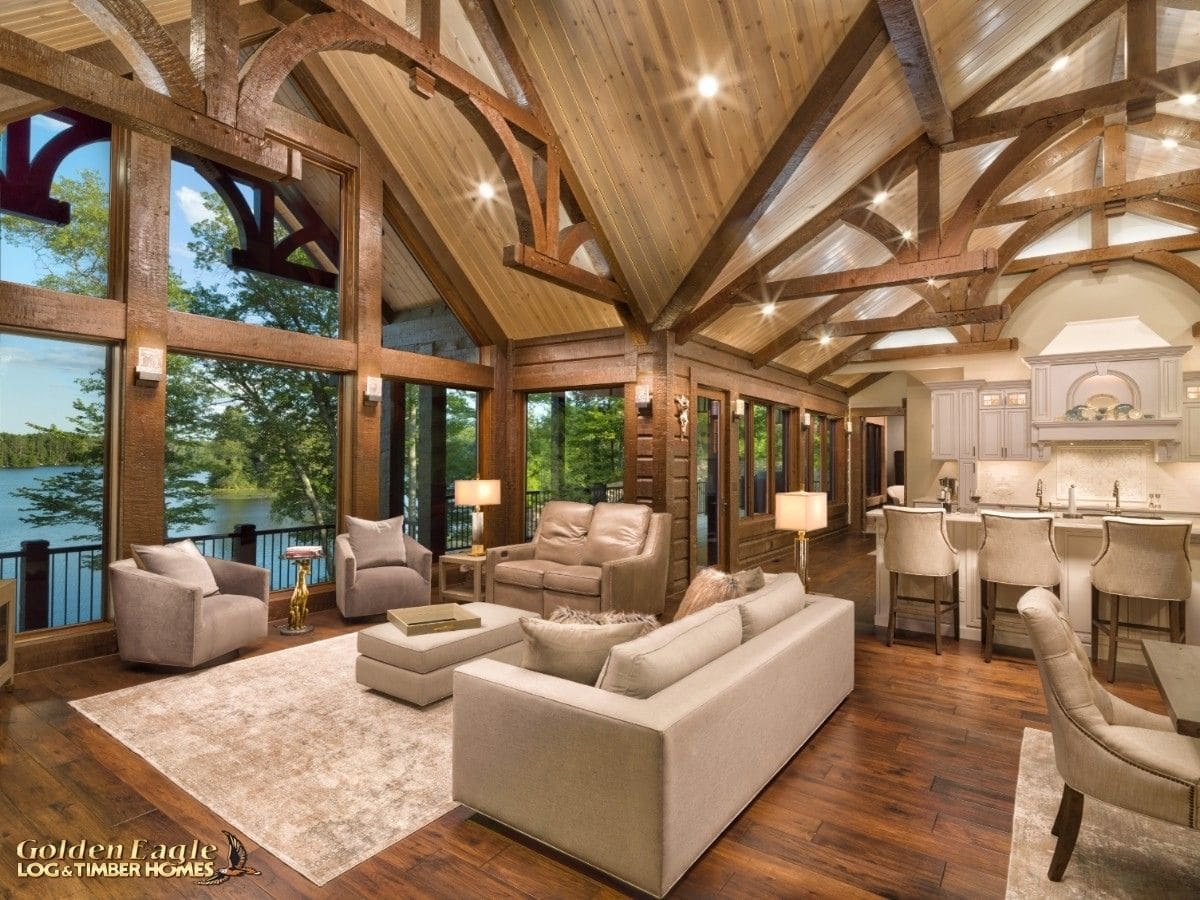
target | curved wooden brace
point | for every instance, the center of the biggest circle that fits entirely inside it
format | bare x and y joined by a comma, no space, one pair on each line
983,192
1183,269
883,230
151,53
264,73
571,238
1030,231
1021,292
1052,157
511,157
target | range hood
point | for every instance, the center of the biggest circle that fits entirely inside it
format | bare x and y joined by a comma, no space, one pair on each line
1107,380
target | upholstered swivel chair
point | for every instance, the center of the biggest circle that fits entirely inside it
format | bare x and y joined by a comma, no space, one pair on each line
915,543
376,589
1104,747
162,621
1018,549
1143,559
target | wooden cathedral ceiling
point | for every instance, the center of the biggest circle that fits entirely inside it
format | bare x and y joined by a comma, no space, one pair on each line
677,184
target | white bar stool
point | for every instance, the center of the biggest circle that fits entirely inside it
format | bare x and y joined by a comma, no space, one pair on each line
915,543
1017,549
1141,559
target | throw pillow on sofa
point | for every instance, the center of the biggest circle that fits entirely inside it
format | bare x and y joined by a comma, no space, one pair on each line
609,617
750,580
377,543
181,561
643,667
574,652
708,588
769,606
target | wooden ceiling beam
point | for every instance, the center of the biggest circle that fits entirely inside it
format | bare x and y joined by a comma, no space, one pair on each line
865,382
1181,267
889,274
1167,212
783,342
910,322
1140,189
1185,131
528,259
214,43
852,60
842,357
1105,254
1141,54
929,204
892,354
870,223
910,39
886,176
33,67
981,285
1075,31
1054,156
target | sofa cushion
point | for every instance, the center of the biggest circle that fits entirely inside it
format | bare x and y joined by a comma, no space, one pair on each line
562,530
377,543
617,531
227,622
180,561
582,580
528,573
749,580
708,588
643,667
767,607
574,652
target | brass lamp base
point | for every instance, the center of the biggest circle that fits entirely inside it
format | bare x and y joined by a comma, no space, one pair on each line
800,557
477,548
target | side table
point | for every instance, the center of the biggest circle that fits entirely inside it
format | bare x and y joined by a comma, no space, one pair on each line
450,562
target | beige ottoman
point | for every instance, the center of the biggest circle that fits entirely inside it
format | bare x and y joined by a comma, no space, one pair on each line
420,669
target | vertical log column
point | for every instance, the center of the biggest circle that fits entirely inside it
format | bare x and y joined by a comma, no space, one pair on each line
362,322
502,449
141,200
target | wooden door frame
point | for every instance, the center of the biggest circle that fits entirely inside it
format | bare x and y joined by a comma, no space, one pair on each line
726,475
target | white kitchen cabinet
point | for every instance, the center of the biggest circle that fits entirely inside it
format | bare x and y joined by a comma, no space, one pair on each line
991,433
955,413
968,422
1004,424
1191,432
945,424
1016,433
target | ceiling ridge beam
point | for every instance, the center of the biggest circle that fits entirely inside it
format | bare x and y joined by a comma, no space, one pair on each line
911,322
1075,31
890,274
862,45
910,39
924,351
1139,189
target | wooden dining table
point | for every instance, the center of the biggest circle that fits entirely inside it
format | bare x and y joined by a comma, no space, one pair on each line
1176,671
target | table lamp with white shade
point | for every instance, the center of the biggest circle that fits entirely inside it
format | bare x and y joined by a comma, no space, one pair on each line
801,512
477,492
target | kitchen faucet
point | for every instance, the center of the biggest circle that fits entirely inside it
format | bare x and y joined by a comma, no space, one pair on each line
1117,498
1041,507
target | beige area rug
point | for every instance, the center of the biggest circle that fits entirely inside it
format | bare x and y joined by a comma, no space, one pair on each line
1118,854
292,752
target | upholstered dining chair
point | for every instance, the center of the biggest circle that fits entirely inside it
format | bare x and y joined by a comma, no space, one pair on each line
915,543
1144,559
1104,748
1018,550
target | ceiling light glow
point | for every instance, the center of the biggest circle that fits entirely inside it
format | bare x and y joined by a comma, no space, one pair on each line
768,308
1187,99
708,86
1059,64
879,197
487,190
825,339
906,234
1170,143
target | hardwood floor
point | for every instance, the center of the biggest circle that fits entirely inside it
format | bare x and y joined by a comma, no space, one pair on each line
907,790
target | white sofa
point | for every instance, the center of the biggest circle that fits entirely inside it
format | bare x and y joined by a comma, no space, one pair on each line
639,788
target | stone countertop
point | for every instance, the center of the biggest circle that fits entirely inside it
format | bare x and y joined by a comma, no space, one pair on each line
1093,520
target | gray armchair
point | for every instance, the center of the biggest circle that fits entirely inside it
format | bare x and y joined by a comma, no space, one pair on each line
163,622
374,590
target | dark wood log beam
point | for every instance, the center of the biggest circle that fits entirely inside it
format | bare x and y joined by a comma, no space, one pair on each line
886,176
1141,52
853,59
1075,31
910,322
840,358
1054,156
929,204
887,275
910,39
981,285
152,54
784,341
1140,189
1004,345
1106,254
870,223
865,382
67,80
531,260
1185,131
214,43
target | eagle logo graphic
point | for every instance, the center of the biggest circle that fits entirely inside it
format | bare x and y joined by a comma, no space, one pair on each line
237,863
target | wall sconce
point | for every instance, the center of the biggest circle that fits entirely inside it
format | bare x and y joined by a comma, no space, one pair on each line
149,370
739,407
642,398
849,425
373,392
806,420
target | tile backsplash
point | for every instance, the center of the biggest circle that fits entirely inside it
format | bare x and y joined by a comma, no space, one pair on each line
1092,470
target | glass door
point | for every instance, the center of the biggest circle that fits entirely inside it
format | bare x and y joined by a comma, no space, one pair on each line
710,499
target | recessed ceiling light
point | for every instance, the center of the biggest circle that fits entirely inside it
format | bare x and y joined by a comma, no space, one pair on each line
1170,143
1187,99
906,234
708,85
486,190
930,281
768,308
879,197
1059,64
825,339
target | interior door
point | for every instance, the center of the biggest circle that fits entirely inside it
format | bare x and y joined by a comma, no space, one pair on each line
710,505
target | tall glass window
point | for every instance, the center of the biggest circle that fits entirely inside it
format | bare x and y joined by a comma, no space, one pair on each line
430,440
252,444
53,421
763,429
54,202
574,449
826,456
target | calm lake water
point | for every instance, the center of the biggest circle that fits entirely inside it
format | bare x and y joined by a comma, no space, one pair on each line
224,514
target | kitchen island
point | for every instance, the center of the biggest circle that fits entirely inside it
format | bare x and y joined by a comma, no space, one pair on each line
1078,544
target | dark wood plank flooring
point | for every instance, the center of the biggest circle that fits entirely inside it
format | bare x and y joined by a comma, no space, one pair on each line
907,790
